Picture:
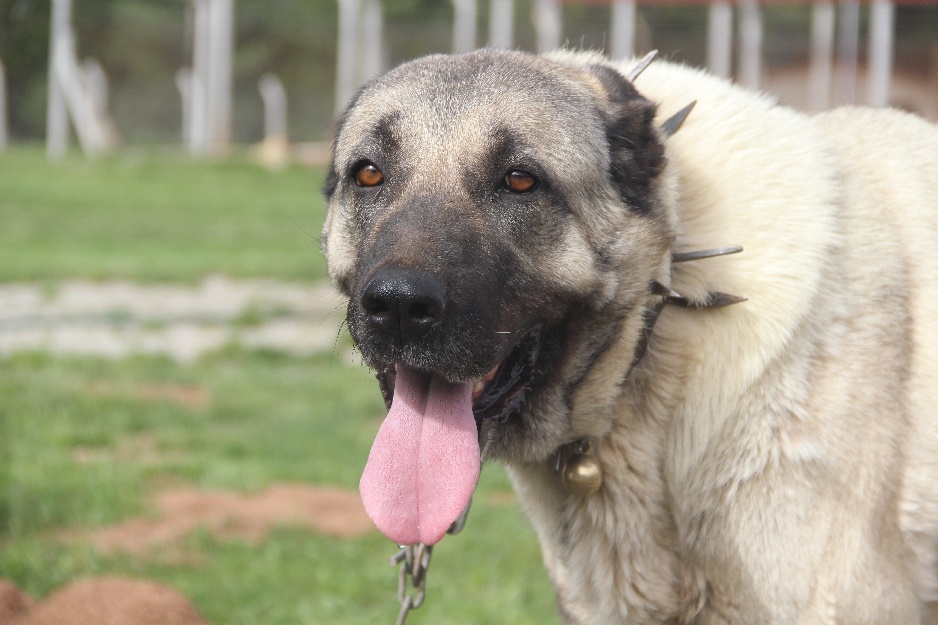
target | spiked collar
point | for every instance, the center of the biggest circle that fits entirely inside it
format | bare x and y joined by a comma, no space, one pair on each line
578,469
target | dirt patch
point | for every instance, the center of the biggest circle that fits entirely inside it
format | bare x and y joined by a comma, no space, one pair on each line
13,602
184,395
142,450
230,515
187,396
113,601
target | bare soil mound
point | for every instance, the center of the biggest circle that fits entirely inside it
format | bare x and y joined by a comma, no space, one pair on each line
226,514
114,601
231,515
13,602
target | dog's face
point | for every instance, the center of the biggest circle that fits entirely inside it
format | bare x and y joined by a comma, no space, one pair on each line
484,211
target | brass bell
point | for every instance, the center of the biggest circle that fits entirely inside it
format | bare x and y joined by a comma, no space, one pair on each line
582,475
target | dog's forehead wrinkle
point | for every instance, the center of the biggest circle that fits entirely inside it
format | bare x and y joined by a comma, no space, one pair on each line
518,89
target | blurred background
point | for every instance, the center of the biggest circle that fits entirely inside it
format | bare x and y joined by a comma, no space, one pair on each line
183,420
319,51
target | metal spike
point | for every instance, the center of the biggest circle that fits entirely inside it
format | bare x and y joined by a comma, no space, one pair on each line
715,299
659,289
646,60
673,123
683,257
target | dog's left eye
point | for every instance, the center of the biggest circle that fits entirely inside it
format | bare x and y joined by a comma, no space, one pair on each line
520,181
368,175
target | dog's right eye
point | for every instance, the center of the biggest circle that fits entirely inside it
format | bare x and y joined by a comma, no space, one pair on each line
368,175
520,181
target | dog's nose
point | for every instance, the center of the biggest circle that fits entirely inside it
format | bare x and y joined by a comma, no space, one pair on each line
403,302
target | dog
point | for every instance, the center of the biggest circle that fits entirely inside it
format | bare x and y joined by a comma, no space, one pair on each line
703,341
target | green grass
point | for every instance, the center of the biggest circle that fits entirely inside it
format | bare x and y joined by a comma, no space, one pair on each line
87,442
156,218
269,418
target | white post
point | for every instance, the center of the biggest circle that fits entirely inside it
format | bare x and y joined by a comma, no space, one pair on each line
720,38
501,23
822,55
464,25
622,40
210,90
184,84
96,83
56,114
67,74
548,23
347,55
750,43
847,51
96,92
275,107
372,25
221,42
274,150
882,14
3,109
932,110
198,100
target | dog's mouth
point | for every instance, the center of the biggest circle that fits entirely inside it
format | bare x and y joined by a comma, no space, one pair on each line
501,393
425,461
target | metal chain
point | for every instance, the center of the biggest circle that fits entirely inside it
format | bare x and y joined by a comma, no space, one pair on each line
414,561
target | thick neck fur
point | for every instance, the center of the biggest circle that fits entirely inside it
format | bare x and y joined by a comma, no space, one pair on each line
614,557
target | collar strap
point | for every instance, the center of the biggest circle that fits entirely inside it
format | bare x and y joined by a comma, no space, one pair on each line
576,466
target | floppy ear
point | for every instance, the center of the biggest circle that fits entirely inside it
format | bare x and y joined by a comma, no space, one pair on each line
332,177
635,148
330,184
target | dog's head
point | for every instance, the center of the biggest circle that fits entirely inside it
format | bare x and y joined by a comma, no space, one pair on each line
494,218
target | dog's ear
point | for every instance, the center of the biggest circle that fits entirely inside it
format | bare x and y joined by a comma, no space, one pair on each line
635,147
331,182
332,176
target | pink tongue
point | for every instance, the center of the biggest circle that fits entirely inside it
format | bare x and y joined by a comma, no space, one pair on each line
425,461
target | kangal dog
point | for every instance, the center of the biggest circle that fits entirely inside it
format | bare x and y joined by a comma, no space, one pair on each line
537,252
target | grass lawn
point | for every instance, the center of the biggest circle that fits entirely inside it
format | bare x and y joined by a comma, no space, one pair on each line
156,218
85,442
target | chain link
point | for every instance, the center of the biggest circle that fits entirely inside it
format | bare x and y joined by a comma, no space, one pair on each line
414,561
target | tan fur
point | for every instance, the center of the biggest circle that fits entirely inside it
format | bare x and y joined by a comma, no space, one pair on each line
786,449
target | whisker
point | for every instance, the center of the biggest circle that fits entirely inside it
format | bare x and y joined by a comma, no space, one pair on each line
313,239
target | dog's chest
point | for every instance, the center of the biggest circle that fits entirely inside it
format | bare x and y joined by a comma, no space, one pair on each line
611,556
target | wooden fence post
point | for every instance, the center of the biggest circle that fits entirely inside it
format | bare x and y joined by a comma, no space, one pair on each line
501,23
3,109
622,29
720,38
750,43
548,22
347,58
464,25
822,55
882,17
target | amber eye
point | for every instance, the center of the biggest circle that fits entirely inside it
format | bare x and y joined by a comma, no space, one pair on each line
518,181
368,175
